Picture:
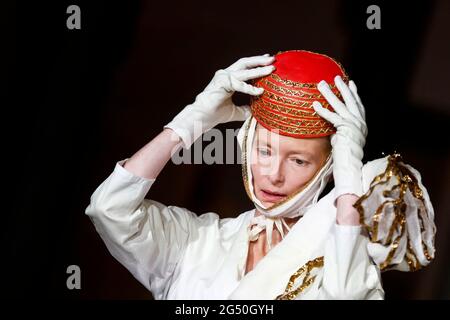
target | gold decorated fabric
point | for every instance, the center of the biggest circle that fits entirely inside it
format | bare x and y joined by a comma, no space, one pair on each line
286,103
398,215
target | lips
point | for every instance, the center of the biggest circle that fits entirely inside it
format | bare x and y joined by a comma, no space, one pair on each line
271,196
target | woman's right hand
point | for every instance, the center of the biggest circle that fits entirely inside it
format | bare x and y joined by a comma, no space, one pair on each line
214,105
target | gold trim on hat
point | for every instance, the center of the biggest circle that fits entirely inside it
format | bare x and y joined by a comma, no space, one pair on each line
296,130
294,93
297,122
284,109
298,93
309,85
277,98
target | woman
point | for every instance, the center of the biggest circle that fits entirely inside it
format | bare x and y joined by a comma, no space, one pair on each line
296,243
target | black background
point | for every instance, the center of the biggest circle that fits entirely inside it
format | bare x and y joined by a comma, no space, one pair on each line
77,101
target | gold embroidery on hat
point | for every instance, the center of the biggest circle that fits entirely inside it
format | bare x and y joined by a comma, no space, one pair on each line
292,93
317,131
311,113
296,122
295,84
290,102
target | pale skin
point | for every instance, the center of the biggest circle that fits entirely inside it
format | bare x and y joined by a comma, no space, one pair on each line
294,161
283,164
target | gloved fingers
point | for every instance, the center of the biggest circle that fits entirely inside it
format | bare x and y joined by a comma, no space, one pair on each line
332,99
340,108
344,127
362,111
354,91
240,86
328,115
348,135
240,113
353,105
249,74
251,62
349,99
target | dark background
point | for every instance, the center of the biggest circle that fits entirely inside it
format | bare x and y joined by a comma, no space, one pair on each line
77,101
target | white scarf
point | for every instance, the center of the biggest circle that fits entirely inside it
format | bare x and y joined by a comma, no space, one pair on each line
295,206
261,222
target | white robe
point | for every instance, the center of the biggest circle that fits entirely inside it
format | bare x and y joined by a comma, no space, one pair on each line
177,254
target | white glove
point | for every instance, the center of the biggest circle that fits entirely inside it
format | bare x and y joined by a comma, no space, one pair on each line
214,105
350,137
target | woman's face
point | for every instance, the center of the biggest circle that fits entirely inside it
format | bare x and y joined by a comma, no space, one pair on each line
282,165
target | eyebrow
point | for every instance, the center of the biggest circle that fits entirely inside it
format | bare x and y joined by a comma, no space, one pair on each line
306,153
263,142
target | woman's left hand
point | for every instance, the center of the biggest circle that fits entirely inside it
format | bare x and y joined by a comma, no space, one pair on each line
350,137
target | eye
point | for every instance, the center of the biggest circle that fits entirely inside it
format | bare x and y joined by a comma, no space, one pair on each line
300,162
263,152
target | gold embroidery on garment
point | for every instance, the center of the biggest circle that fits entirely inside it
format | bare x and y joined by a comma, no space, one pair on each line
411,258
406,182
422,229
289,292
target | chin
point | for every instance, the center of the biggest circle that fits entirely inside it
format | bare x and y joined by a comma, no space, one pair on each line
265,203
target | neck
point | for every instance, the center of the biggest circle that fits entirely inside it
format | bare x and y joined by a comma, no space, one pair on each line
289,221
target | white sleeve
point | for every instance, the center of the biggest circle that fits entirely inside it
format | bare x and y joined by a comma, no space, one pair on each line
348,272
398,218
145,236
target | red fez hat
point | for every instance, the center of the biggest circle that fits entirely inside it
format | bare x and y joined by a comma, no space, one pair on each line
289,91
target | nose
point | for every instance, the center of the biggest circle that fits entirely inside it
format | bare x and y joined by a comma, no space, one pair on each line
276,175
